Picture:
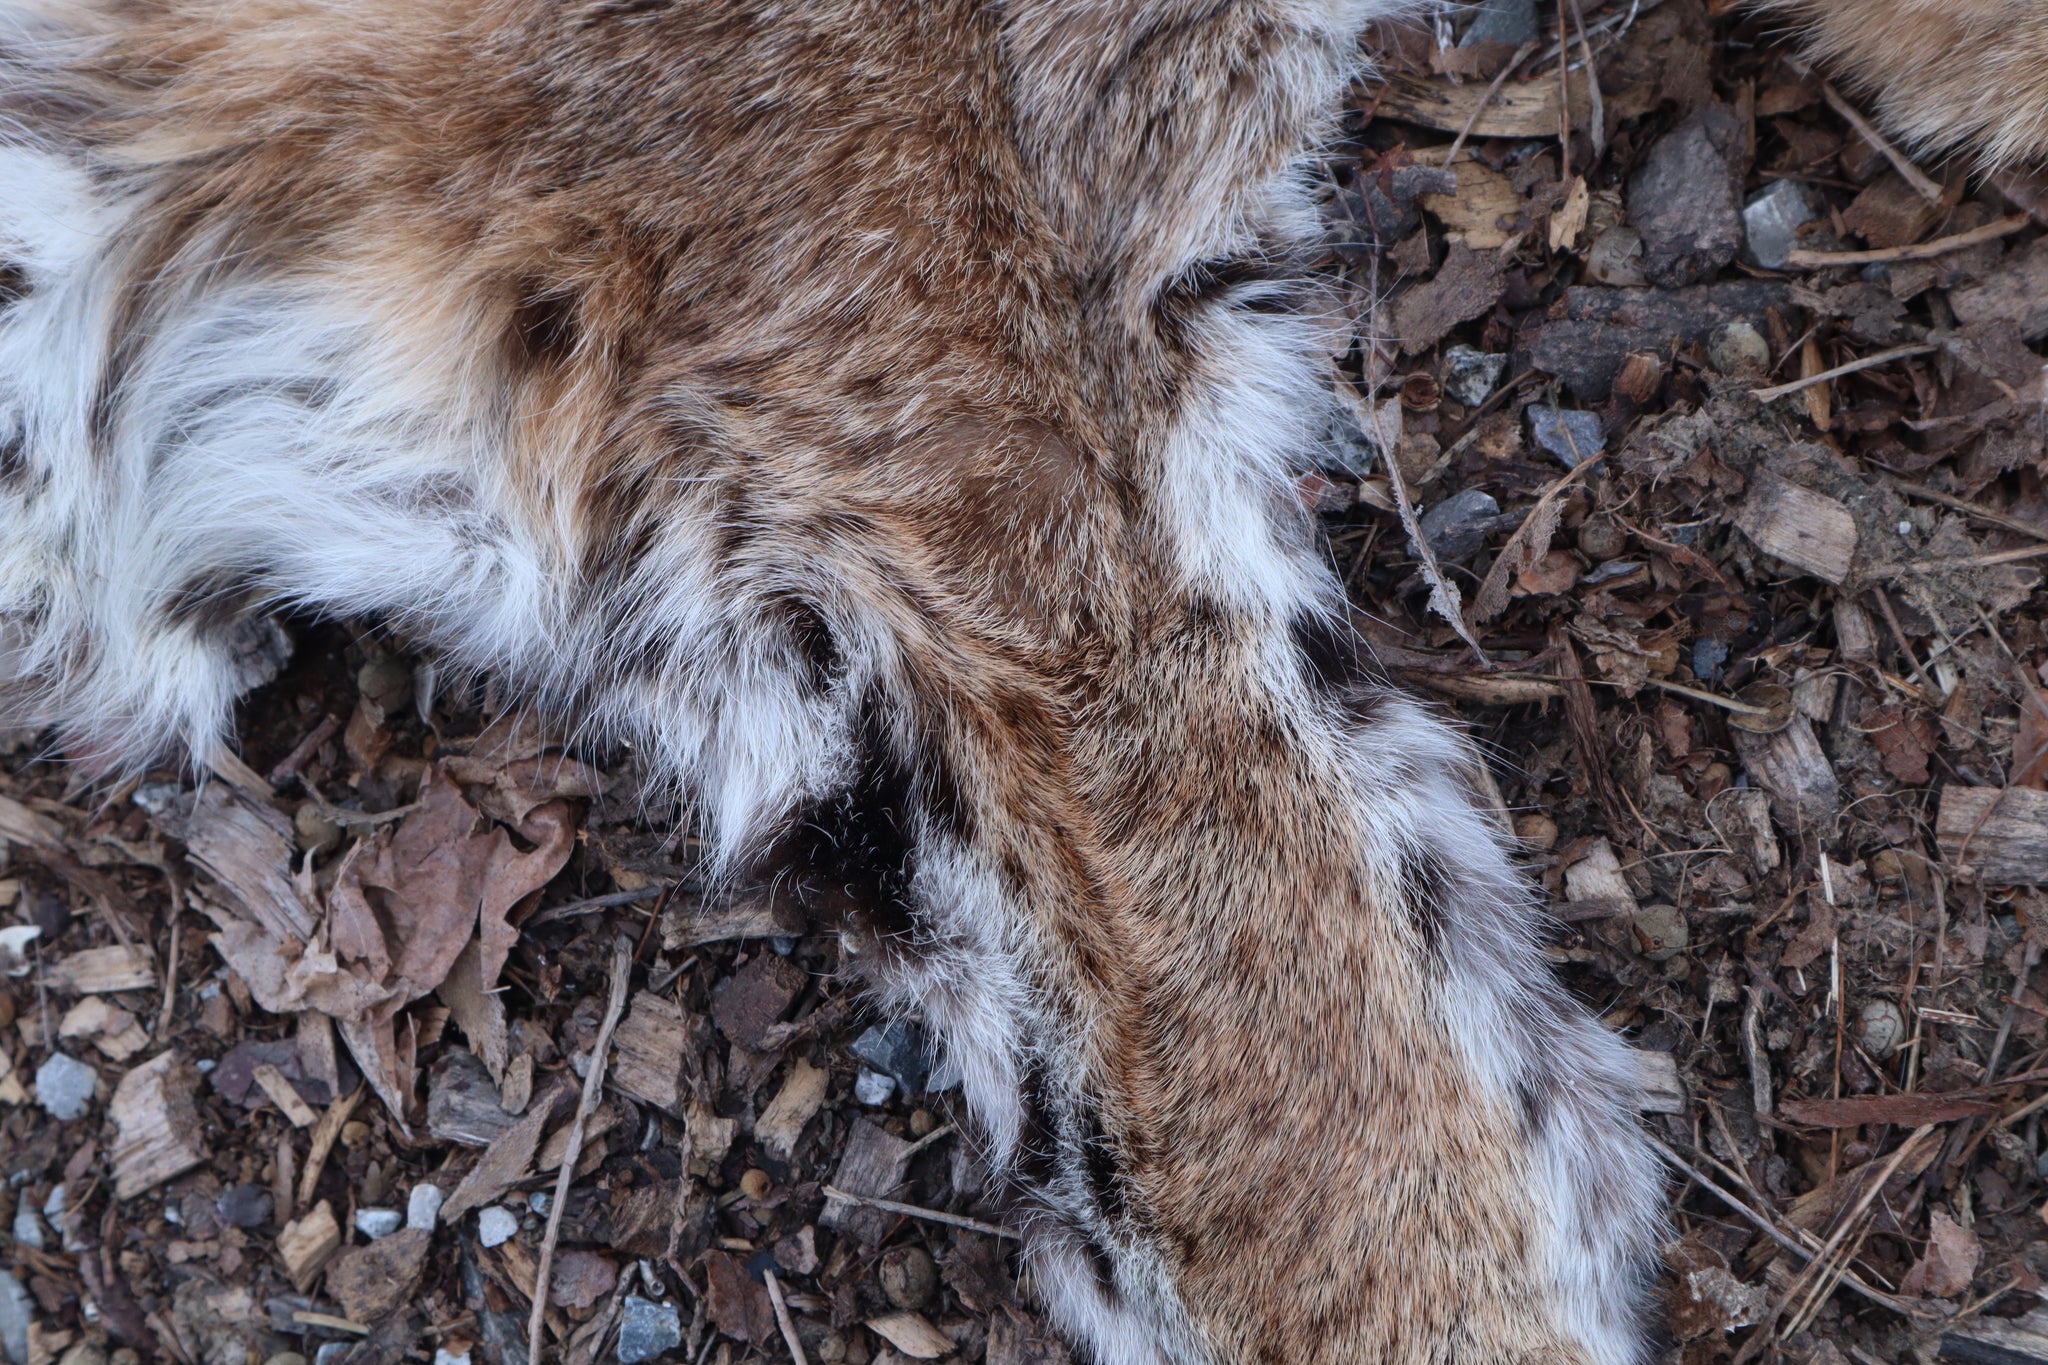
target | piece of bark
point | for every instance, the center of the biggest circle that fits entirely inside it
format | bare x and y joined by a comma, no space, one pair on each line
247,849
1794,769
1906,1110
1807,530
1516,109
462,1102
306,1244
1997,836
1595,884
158,1125
690,923
912,1334
737,1305
1595,332
2015,293
650,1051
1890,213
123,967
872,1163
747,1005
1686,200
1467,284
505,1161
374,1280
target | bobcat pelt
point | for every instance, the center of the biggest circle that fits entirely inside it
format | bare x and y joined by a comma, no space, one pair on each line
884,416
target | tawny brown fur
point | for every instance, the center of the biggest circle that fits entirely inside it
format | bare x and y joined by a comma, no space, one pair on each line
1966,76
903,315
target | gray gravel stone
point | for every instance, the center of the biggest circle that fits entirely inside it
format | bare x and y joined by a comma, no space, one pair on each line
423,1207
377,1224
898,1050
1470,376
16,1307
495,1226
1571,435
1457,526
64,1086
647,1329
1771,221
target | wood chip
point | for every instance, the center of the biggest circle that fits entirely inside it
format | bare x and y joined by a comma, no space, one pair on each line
872,1163
1663,1091
912,1334
1998,837
649,1047
801,1096
306,1244
1915,1109
284,1097
1473,215
322,1143
504,1162
1807,530
159,1126
1596,880
1514,110
124,967
1795,770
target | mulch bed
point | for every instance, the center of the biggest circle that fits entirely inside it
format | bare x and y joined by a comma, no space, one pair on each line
1697,461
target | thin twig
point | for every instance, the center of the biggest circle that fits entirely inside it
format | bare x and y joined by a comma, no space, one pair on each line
1964,505
1868,362
1599,109
1991,560
1923,251
593,1091
1910,173
1564,98
789,1337
951,1220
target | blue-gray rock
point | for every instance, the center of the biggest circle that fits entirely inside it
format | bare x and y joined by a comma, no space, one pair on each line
647,1329
377,1224
1457,526
1771,221
243,1206
495,1225
423,1206
1686,198
28,1229
1709,657
16,1307
1503,21
872,1087
1571,435
899,1051
64,1086
1470,375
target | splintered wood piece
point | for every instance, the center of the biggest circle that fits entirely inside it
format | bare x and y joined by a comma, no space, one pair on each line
1663,1091
153,1112
248,851
1596,881
912,1334
801,1096
123,967
692,924
1511,110
284,1097
1807,530
306,1244
324,1136
872,1163
1795,770
1997,836
650,1044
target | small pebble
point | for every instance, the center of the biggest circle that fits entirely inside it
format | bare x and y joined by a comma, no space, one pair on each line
908,1276
1456,527
377,1224
28,1229
244,1206
898,1050
385,682
1738,346
495,1226
333,1353
1771,222
1709,657
16,1307
538,1201
1538,833
647,1329
755,1183
1881,1029
1600,539
1571,435
444,1356
872,1087
1470,376
423,1207
1662,932
64,1086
